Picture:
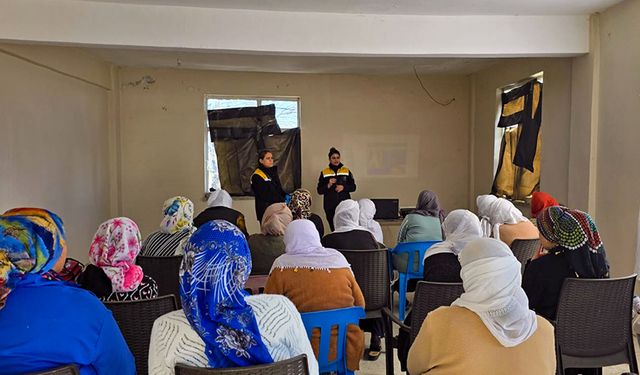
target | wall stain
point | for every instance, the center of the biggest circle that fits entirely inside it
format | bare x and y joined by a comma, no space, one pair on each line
145,81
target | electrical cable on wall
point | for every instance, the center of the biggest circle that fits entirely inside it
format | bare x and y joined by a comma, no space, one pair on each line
428,93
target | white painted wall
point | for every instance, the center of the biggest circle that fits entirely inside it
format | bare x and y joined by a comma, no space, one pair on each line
149,26
54,142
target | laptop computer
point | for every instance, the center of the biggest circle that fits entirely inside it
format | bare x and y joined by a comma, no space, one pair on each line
386,208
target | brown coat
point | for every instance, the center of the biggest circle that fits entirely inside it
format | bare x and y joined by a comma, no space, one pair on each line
315,290
453,340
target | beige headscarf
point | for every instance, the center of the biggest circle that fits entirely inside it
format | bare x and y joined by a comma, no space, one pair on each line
275,219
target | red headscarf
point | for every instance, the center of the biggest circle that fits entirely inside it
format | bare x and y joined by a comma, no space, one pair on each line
541,200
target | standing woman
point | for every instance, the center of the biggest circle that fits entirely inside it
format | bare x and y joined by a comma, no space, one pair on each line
265,184
335,183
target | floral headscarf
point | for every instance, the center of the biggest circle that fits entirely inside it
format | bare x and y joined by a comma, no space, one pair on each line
576,232
178,215
114,248
300,204
31,241
215,267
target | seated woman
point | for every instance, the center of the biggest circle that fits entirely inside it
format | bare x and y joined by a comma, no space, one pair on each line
574,250
219,208
113,274
349,235
175,229
422,224
441,260
501,220
315,278
541,200
367,212
268,245
219,325
489,329
48,323
300,206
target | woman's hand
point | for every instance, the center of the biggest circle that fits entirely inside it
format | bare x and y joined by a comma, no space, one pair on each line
339,188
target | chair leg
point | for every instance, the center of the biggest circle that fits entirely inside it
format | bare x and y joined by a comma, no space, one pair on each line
388,346
402,297
633,362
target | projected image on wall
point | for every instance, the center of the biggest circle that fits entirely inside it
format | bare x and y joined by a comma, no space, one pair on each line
387,156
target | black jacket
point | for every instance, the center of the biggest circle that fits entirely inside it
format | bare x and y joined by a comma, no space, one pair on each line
221,213
267,189
343,177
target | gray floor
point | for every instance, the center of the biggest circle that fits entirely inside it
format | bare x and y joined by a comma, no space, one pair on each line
378,367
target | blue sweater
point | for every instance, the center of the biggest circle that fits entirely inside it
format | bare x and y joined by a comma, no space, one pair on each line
47,324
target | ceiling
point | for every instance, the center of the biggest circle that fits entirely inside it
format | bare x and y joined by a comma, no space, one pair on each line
397,7
288,64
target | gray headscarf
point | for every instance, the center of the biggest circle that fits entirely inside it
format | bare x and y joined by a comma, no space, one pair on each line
429,205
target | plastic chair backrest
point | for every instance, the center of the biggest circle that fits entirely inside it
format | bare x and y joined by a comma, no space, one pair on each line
135,319
524,250
292,366
65,370
324,321
415,252
429,296
371,269
165,271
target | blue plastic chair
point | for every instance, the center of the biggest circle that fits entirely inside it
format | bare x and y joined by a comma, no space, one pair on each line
415,251
325,320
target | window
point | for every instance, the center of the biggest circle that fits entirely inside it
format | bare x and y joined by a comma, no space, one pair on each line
287,112
518,137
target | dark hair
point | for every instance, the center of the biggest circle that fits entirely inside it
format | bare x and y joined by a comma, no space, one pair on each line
332,151
262,153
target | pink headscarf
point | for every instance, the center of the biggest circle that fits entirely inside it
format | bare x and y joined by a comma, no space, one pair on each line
275,219
114,248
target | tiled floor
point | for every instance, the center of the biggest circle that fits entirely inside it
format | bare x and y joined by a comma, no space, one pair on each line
378,367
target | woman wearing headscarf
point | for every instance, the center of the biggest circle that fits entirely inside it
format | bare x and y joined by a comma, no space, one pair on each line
316,278
113,274
367,212
269,244
175,229
574,249
220,325
501,220
422,224
441,260
541,200
265,183
508,338
219,208
300,206
48,323
348,234
336,184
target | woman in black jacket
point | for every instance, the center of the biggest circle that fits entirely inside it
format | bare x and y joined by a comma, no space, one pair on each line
335,183
265,184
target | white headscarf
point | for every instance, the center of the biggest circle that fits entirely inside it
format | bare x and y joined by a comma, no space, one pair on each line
460,227
347,217
304,250
494,212
219,198
491,280
367,212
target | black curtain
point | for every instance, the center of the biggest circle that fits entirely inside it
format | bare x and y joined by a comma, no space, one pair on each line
238,134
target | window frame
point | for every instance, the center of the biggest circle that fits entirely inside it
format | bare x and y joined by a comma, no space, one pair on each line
259,99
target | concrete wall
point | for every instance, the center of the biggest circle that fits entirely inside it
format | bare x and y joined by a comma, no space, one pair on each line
162,133
618,153
54,143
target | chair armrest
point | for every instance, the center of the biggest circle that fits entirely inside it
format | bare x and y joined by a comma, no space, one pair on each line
389,315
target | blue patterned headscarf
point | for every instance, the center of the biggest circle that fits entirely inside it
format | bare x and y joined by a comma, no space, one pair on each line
31,241
215,267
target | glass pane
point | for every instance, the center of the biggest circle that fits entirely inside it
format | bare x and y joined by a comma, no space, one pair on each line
230,103
213,181
286,112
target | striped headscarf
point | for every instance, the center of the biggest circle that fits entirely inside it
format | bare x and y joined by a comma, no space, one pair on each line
114,248
575,231
215,268
31,241
178,215
300,204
